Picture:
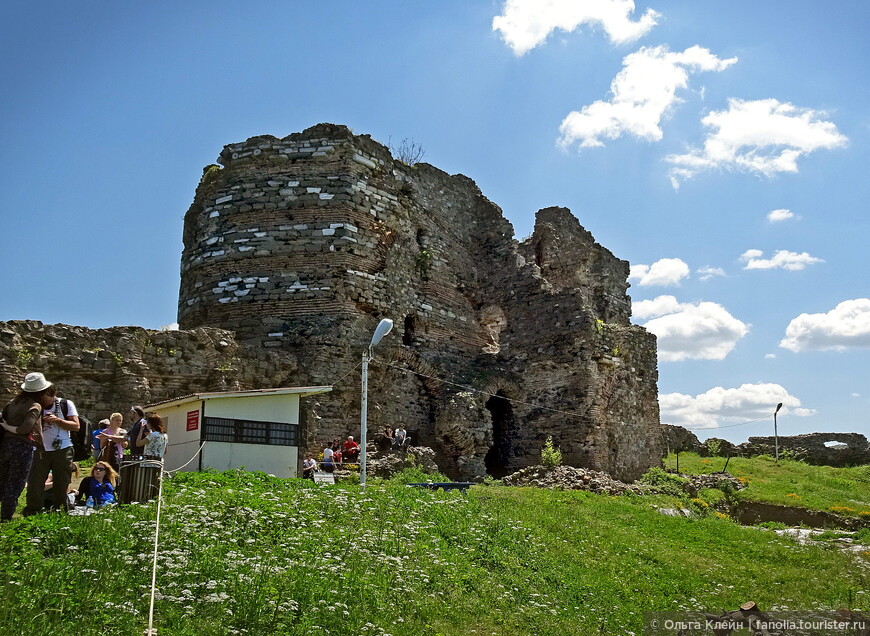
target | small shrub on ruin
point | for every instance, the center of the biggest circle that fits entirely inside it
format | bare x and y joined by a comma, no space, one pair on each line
551,456
408,152
714,446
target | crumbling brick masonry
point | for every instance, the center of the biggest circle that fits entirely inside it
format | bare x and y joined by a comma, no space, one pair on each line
301,245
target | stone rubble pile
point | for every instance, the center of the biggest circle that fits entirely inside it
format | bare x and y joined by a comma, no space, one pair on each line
714,480
571,478
387,463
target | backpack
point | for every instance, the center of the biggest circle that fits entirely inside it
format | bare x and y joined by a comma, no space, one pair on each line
80,438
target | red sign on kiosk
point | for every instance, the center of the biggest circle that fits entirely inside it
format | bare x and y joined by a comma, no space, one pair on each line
193,420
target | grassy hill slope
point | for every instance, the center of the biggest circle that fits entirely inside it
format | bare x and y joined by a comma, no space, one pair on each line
244,553
845,491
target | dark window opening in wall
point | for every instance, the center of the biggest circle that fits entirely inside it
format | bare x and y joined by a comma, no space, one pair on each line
502,412
539,253
410,328
422,239
222,429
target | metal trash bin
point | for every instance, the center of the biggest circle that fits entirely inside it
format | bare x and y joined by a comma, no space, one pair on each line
140,480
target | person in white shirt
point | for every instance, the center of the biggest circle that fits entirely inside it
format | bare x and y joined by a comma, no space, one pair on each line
328,460
54,456
402,438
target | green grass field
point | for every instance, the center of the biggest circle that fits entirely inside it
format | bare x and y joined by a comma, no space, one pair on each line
845,491
244,553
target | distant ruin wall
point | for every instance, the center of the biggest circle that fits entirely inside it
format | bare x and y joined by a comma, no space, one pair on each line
300,245
848,449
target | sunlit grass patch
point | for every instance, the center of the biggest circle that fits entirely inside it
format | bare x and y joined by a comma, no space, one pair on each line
246,553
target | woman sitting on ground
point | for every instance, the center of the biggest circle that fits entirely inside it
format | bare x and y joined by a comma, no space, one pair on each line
100,485
387,439
153,436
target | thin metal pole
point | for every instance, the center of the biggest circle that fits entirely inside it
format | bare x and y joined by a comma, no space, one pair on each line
363,416
775,437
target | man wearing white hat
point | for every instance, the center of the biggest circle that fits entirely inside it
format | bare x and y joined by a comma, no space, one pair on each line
55,454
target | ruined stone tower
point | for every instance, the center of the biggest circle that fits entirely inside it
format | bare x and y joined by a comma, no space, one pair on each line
302,244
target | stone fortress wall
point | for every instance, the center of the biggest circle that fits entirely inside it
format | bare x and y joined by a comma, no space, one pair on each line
108,370
300,245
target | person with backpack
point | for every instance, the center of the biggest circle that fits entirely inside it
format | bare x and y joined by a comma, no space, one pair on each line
22,430
55,455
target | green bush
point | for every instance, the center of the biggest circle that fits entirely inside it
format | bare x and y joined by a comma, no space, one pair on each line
415,476
712,496
714,446
665,482
550,455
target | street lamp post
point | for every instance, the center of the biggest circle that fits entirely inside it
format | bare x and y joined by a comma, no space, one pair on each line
775,434
382,330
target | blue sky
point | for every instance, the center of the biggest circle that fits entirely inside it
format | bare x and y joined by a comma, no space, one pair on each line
720,147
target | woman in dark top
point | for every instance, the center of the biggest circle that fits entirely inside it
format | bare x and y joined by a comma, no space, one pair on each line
22,424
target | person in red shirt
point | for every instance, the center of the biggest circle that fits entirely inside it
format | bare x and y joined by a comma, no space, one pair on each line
351,450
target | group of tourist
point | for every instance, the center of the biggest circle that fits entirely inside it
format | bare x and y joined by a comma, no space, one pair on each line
36,450
398,438
335,454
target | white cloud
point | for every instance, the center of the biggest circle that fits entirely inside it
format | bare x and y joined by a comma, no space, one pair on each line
775,216
846,326
524,24
783,259
769,356
170,327
705,331
763,136
666,271
745,403
706,273
856,395
642,93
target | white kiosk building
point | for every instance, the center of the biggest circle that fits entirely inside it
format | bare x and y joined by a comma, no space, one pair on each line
255,430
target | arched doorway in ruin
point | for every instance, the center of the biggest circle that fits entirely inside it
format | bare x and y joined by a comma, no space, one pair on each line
498,456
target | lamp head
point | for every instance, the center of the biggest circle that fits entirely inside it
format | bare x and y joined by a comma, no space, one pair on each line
778,406
384,327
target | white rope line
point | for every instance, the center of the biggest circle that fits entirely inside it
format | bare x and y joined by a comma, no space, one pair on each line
169,472
151,631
